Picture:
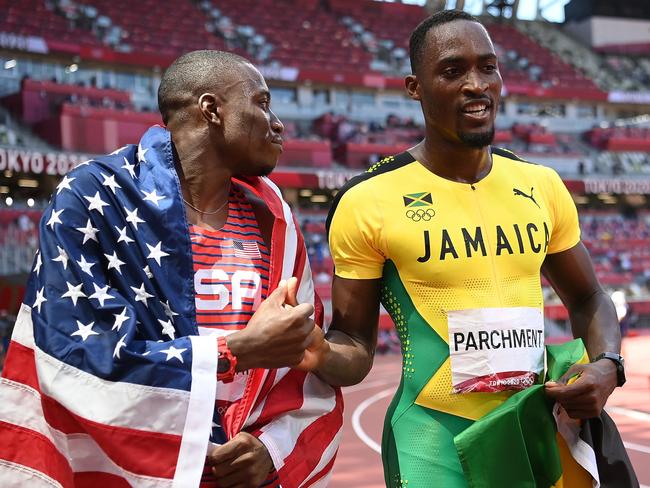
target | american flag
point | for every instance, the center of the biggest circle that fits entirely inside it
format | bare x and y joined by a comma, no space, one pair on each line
107,379
246,249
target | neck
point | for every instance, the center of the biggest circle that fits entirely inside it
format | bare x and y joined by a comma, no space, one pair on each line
205,183
453,161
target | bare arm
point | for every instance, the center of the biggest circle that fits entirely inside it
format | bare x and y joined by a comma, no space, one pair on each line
593,319
352,336
592,313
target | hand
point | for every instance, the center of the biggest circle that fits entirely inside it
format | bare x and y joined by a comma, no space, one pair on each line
316,353
319,348
586,396
242,462
276,335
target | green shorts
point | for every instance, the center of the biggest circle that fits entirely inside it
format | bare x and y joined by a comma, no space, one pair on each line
418,448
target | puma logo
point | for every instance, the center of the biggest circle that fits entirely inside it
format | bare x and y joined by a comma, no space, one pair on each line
530,197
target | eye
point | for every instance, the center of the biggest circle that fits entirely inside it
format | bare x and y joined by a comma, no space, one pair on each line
451,72
490,68
265,104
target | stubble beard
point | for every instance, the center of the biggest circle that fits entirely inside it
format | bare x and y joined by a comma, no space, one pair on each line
477,139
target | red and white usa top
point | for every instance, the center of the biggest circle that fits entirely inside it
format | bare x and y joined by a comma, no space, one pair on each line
231,268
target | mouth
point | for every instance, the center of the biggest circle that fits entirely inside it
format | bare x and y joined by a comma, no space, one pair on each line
277,141
477,110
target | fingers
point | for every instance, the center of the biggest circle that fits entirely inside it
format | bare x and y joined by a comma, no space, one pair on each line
224,453
314,354
292,290
303,310
238,471
561,392
248,468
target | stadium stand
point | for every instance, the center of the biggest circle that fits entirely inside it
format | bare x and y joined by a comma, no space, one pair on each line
82,75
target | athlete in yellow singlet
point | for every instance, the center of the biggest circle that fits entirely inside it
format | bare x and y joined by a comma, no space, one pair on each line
452,237
440,247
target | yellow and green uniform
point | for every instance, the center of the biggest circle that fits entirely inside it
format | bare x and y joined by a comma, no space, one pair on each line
441,247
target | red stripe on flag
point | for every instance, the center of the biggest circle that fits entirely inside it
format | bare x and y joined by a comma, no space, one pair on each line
318,435
20,365
94,479
33,450
322,473
128,448
284,397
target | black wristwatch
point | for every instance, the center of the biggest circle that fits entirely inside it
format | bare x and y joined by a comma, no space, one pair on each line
617,359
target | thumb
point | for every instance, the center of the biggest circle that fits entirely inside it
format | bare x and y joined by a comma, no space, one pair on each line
279,295
571,375
292,290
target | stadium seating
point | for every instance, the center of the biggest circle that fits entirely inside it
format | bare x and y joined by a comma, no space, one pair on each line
620,138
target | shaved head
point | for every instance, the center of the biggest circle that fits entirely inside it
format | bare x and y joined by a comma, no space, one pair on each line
193,74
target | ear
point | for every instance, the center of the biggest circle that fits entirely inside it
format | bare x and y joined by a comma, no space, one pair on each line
412,87
210,107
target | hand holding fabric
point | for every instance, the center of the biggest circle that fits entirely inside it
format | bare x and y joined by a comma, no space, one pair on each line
242,462
586,395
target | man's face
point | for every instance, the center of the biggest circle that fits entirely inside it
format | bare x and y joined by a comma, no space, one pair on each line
458,83
252,132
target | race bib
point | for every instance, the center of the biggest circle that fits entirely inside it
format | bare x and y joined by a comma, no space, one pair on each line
495,349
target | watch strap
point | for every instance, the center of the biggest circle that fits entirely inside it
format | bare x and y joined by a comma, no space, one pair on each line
617,359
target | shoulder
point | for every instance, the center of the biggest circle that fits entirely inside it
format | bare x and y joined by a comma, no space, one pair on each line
118,166
520,165
376,179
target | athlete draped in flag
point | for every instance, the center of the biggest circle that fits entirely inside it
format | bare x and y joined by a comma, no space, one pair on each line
169,298
451,237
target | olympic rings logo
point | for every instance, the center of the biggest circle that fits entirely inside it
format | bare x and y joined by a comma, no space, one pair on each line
420,214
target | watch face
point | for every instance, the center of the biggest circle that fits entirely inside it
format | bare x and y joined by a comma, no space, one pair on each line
223,366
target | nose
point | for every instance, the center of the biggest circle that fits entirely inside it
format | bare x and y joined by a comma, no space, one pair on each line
475,82
276,125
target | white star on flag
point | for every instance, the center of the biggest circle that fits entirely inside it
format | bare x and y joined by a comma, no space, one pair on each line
40,299
85,266
101,294
129,167
89,232
120,318
96,203
141,294
156,253
118,150
110,182
39,263
168,328
141,154
114,262
147,271
123,237
168,309
62,257
54,218
153,196
74,292
120,344
85,330
172,352
132,216
64,184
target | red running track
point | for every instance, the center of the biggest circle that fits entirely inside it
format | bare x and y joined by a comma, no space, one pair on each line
358,463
